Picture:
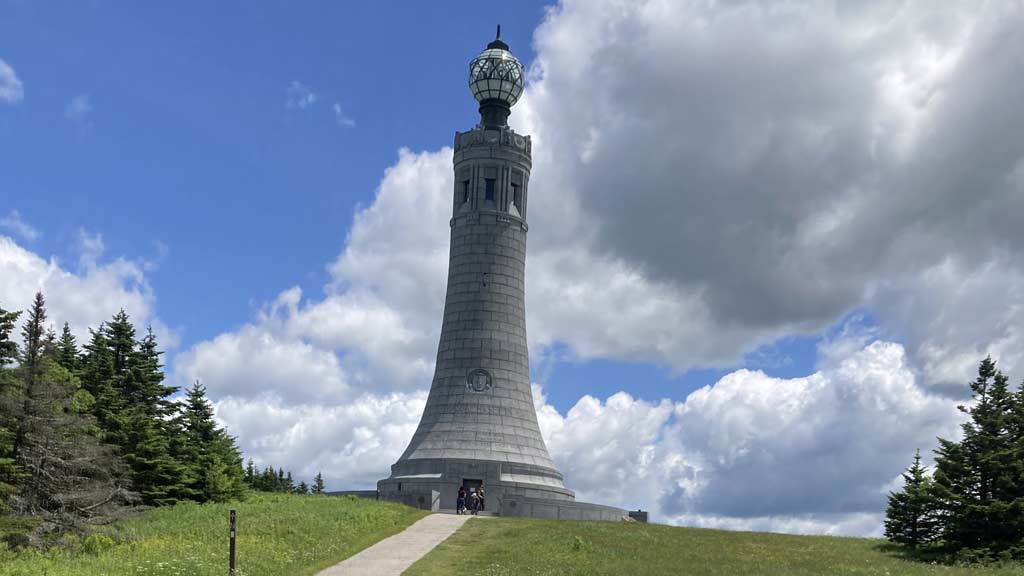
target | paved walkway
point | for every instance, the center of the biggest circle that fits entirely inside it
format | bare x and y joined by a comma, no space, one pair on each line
391,556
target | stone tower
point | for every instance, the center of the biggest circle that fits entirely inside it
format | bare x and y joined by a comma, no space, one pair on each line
479,424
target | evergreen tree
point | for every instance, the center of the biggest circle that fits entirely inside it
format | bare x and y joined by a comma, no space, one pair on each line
974,479
67,350
30,370
65,472
303,488
133,409
911,517
8,348
50,344
318,484
212,453
289,483
1013,491
97,374
69,475
250,474
8,389
33,334
8,469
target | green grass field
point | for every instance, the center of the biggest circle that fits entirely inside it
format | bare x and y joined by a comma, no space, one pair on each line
278,535
522,547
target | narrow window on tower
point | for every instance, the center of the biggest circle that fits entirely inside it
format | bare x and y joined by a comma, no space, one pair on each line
517,198
465,191
489,189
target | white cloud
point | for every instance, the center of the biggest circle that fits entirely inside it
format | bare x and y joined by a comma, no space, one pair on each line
12,90
251,362
709,197
352,443
299,96
16,225
751,189
810,455
343,119
83,298
90,247
955,313
78,109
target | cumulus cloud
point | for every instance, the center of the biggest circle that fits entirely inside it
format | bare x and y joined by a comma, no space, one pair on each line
84,297
812,455
298,96
708,177
11,89
14,224
776,164
352,444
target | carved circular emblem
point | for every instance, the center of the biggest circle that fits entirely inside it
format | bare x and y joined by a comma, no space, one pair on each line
519,141
479,380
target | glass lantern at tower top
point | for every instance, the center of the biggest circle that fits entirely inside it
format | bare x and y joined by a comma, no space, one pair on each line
496,74
496,81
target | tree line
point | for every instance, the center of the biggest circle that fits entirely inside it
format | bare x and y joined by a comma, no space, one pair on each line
270,480
971,506
87,431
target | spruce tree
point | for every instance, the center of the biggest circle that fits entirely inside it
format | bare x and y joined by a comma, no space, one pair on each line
1015,491
68,474
302,488
211,452
250,474
133,409
318,484
973,482
911,517
33,334
9,388
30,369
97,370
8,347
67,350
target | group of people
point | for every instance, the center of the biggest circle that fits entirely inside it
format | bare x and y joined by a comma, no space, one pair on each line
472,502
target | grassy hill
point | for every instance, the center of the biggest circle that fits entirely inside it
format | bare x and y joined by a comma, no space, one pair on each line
278,535
512,546
281,535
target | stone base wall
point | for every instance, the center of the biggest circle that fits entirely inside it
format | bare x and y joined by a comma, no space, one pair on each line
422,499
559,510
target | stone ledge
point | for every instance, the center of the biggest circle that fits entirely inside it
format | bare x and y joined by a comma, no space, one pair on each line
559,510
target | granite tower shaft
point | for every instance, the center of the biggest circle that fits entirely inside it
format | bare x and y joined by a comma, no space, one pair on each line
479,424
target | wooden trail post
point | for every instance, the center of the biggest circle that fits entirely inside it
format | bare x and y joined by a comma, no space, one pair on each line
231,546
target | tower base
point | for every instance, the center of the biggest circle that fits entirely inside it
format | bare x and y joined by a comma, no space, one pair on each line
500,481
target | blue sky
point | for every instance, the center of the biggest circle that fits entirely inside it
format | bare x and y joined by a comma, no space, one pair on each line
759,232
188,142
190,156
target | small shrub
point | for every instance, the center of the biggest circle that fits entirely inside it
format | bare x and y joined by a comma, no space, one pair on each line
97,544
16,540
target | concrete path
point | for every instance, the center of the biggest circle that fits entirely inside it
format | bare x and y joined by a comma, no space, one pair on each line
391,556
